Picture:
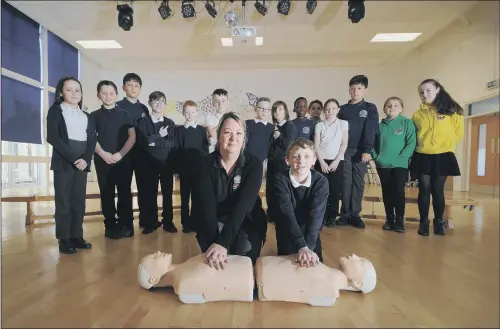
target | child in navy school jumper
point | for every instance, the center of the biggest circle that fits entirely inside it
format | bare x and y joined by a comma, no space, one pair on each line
259,131
362,118
304,125
300,195
156,138
191,143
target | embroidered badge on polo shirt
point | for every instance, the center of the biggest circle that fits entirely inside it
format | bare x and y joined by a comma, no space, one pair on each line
306,130
398,131
441,117
236,182
363,114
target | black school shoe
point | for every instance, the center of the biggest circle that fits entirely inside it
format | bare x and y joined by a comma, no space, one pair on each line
80,243
438,226
66,247
423,227
170,227
149,229
389,223
356,222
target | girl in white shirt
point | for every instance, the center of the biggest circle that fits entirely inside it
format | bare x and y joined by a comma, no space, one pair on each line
331,142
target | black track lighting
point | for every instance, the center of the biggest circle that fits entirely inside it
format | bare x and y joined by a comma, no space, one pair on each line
283,7
311,6
261,7
164,10
125,17
356,11
187,9
210,7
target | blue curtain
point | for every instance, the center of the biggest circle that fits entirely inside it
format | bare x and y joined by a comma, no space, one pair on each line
21,112
20,43
63,59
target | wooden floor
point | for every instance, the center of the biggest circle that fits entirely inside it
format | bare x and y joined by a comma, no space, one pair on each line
450,281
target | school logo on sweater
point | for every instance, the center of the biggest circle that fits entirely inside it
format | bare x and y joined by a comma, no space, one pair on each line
441,117
306,130
363,114
236,182
398,131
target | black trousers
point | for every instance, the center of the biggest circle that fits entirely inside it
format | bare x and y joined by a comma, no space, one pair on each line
117,176
274,166
187,182
431,185
139,167
248,241
285,249
163,174
353,183
393,181
335,188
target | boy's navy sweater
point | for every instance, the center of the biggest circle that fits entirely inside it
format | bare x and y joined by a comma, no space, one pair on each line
148,133
136,110
299,211
305,128
259,139
363,125
190,144
279,146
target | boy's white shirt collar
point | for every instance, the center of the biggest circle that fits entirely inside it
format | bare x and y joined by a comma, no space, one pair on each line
261,121
160,119
282,122
296,184
194,125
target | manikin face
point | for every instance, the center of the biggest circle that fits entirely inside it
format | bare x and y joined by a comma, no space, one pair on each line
300,161
158,105
231,136
354,269
315,110
220,102
71,92
428,92
279,115
190,113
132,89
157,264
262,110
331,110
301,108
393,108
357,92
107,95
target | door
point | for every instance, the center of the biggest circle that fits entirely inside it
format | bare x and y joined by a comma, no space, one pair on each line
485,155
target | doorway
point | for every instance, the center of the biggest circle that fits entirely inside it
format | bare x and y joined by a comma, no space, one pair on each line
484,159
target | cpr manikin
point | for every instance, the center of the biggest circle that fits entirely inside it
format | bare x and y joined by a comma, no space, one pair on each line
280,278
195,282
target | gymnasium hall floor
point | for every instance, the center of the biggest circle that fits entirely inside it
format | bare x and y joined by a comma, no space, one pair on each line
450,281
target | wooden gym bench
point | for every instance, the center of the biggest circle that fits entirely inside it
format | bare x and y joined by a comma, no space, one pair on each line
31,217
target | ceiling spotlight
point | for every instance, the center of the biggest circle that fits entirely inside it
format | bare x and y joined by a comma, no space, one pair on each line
231,18
261,7
356,11
187,9
283,7
311,6
125,17
210,7
164,10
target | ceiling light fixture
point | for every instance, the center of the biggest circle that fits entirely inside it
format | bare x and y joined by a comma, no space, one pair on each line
259,41
99,44
226,42
395,37
283,7
231,18
125,17
210,7
261,7
311,6
187,9
164,10
356,11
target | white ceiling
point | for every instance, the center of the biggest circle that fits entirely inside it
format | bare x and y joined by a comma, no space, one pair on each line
326,38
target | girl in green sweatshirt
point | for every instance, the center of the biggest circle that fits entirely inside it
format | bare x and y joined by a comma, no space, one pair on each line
394,145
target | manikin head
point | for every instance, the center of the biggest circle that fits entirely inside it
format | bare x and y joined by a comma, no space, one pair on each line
152,267
360,272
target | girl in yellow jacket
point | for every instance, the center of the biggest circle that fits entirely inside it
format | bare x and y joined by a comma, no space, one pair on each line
439,123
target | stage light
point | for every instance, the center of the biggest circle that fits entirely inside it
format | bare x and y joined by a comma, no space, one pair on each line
210,7
231,18
164,10
311,6
356,11
261,7
187,9
125,17
283,7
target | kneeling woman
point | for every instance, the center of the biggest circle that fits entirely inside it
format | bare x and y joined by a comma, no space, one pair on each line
227,210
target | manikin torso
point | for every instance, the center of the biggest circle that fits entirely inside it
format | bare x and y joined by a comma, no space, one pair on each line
195,282
282,279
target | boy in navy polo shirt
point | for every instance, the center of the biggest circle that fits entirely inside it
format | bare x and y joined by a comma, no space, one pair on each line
259,131
304,125
362,118
132,84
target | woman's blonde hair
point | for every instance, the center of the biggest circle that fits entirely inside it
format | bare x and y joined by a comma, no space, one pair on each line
236,117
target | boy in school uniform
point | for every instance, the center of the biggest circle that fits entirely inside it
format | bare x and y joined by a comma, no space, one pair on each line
191,144
300,196
304,125
115,138
132,84
220,100
157,139
259,131
362,118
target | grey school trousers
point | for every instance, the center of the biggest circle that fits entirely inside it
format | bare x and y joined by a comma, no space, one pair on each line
353,183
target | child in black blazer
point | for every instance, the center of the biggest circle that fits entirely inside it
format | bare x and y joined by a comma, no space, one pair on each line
71,133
